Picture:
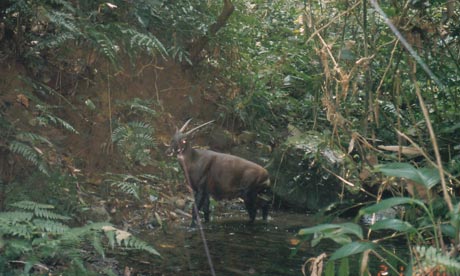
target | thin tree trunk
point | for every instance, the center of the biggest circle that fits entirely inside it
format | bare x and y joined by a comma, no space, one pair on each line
197,47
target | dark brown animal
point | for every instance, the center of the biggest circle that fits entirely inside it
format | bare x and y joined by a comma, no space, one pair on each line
223,176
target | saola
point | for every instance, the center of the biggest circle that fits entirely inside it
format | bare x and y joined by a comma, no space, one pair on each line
223,176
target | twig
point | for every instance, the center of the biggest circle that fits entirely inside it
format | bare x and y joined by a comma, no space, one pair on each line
41,266
433,140
347,182
180,157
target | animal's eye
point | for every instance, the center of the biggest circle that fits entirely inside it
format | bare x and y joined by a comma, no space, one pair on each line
183,141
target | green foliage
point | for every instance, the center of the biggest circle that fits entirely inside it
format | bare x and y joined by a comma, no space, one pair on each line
36,235
428,177
135,138
127,183
135,141
130,184
46,118
432,259
29,153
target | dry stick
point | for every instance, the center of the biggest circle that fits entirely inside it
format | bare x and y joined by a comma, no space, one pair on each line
109,98
387,69
180,157
433,140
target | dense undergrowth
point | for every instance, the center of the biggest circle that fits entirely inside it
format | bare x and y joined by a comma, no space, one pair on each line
75,116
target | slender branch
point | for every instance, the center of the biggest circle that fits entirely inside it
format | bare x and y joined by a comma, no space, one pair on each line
433,139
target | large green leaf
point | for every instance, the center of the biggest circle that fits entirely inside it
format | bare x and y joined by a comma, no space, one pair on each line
351,249
344,268
389,203
318,228
339,229
393,224
428,177
352,228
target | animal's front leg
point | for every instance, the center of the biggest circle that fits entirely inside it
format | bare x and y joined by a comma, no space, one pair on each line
250,203
199,200
206,206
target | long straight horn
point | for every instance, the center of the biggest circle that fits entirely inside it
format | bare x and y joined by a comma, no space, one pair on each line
200,126
185,125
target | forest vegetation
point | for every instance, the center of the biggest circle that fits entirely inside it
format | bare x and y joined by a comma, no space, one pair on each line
352,105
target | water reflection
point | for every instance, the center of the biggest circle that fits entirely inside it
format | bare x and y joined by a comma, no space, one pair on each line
236,248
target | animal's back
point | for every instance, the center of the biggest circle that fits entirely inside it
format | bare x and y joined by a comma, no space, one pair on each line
232,176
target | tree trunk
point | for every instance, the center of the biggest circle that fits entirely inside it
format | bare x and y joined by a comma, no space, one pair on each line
197,46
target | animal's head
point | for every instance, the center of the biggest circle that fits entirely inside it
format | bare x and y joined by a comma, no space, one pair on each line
180,140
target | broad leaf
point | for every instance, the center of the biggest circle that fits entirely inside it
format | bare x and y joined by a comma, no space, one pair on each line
339,229
351,249
318,228
389,203
428,177
352,228
344,268
393,224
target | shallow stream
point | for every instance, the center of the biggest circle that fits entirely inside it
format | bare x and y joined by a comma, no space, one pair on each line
236,248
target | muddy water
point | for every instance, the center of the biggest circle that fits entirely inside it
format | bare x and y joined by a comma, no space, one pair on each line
236,248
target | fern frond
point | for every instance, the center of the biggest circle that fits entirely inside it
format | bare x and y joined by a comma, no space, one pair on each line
130,188
33,137
135,140
42,213
39,210
97,244
30,154
124,238
143,108
14,217
47,118
180,54
17,230
52,42
64,3
431,258
31,205
63,21
18,247
50,226
104,44
144,40
135,243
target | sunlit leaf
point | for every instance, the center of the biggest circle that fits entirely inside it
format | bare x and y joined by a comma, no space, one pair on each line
340,239
393,224
344,228
352,228
428,177
389,203
330,269
351,249
318,228
344,268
